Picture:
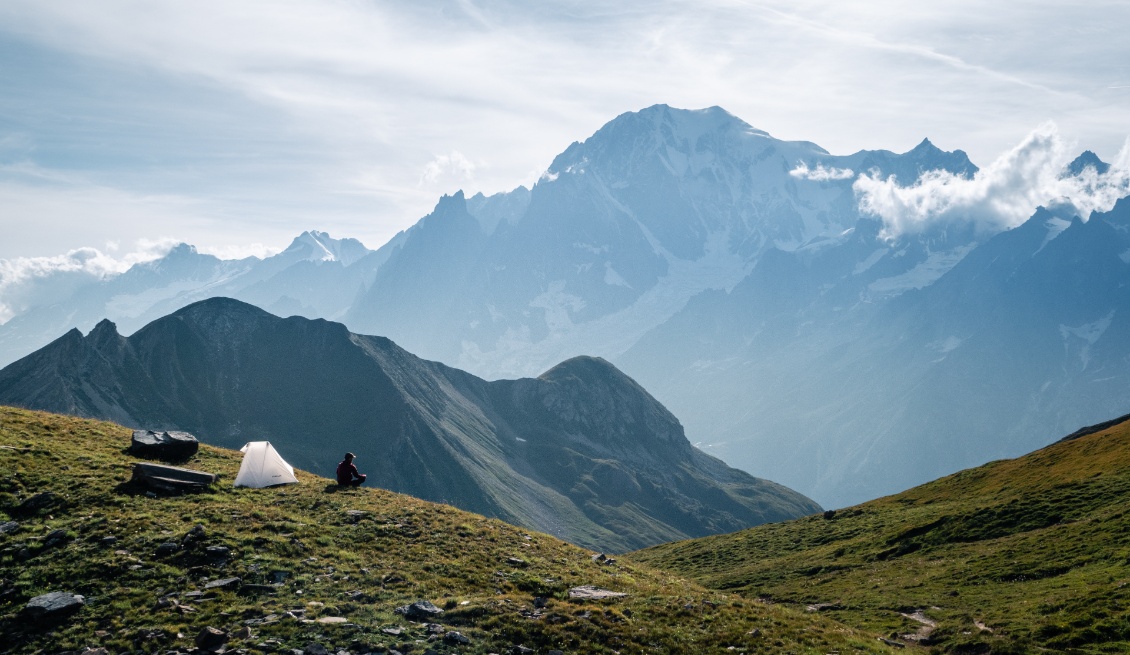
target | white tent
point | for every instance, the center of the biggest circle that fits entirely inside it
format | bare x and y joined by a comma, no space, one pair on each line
263,467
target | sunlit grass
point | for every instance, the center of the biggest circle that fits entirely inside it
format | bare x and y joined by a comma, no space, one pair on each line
356,554
1016,555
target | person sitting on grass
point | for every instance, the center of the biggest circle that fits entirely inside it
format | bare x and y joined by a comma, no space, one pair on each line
347,475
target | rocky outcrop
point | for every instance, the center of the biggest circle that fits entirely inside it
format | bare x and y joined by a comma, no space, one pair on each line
167,445
53,606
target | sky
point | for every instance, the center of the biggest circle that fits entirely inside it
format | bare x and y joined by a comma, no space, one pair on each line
130,125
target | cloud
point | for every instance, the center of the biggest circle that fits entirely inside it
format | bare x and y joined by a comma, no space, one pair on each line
1001,195
263,110
28,281
821,174
453,166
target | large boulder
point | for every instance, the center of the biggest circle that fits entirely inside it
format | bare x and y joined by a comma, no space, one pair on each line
54,605
163,445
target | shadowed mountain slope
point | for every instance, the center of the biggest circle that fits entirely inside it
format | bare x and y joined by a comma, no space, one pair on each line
1017,555
581,452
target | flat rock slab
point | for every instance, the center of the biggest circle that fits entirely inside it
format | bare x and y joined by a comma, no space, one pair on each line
224,583
589,592
163,445
171,479
333,619
53,605
8,527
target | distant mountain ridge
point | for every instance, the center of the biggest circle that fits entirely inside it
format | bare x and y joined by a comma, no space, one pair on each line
582,452
735,277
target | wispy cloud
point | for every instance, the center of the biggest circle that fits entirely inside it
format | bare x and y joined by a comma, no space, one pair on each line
821,174
1001,195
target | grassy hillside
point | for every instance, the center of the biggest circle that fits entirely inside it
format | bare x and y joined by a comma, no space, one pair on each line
1014,556
356,555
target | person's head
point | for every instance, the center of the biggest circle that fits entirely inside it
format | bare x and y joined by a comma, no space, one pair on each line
349,457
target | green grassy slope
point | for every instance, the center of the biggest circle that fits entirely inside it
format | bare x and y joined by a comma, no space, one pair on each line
356,554
1014,556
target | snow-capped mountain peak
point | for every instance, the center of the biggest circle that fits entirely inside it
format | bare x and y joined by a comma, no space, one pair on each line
320,246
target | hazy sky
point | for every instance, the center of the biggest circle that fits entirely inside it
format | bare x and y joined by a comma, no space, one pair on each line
236,125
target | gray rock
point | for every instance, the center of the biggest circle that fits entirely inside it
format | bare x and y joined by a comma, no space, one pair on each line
456,638
163,445
9,527
54,605
421,610
224,583
193,535
516,562
54,538
38,502
589,592
521,650
211,639
315,648
217,552
167,548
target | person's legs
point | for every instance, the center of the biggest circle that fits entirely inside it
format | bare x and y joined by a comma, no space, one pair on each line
358,480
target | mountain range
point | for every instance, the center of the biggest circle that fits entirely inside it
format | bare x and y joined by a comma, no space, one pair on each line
735,277
581,452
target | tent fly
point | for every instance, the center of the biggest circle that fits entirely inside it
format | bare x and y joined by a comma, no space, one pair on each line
263,467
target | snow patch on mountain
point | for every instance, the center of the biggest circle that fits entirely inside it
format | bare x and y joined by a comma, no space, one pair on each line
924,274
1056,226
1089,333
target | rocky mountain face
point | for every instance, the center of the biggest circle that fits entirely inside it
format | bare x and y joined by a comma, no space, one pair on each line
621,231
582,452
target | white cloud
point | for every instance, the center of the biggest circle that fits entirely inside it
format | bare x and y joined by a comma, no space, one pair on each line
43,280
452,166
821,174
1001,195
